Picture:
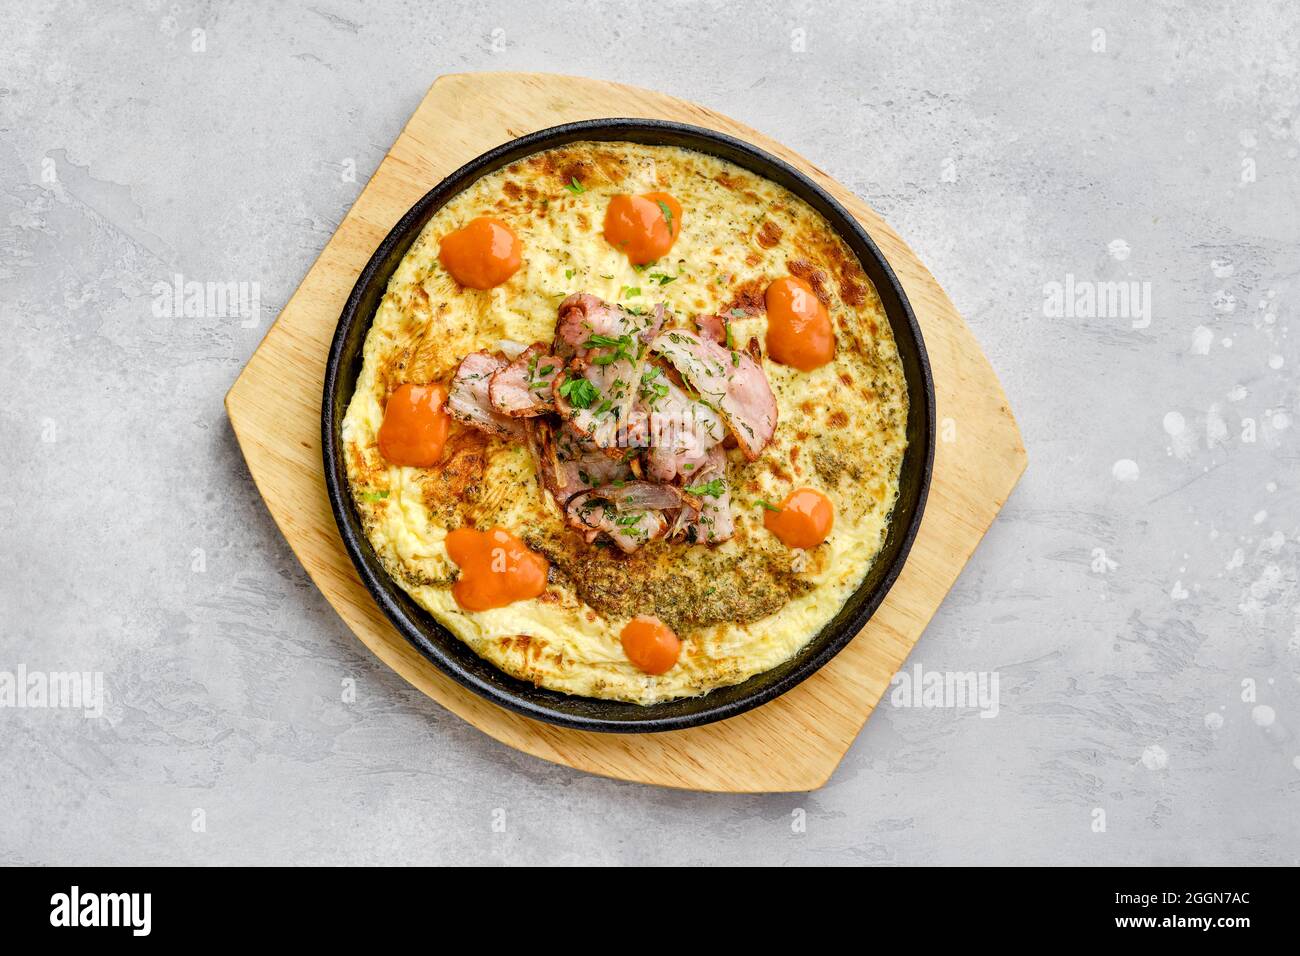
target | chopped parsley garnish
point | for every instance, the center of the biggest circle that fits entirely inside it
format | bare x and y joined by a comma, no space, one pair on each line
668,214
575,187
580,392
568,273
663,279
652,390
760,503
596,340
374,495
738,313
731,342
537,377
630,291
713,489
622,347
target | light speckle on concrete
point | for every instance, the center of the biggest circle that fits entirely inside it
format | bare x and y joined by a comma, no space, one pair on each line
1144,159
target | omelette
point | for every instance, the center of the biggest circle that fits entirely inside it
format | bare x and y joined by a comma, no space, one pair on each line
629,423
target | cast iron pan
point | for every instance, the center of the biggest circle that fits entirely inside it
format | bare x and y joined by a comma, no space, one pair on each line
456,659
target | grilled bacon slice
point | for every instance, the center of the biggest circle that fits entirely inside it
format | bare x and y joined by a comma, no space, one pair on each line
645,495
522,389
711,522
582,316
469,401
569,464
601,408
729,380
712,327
630,513
594,514
680,431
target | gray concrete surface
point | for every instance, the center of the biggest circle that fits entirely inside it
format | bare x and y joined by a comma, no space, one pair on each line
1137,600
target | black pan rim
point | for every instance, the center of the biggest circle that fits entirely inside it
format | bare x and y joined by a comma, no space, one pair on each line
523,698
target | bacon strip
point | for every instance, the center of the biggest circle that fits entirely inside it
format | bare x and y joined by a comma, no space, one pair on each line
582,316
569,465
636,451
630,513
645,495
727,379
681,429
712,327
610,373
594,513
468,400
522,389
712,522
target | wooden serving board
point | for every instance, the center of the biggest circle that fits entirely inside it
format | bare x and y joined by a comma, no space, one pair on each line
791,744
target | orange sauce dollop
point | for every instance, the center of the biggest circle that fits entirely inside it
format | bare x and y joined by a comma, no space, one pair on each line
799,332
496,569
414,429
803,520
644,227
651,645
483,253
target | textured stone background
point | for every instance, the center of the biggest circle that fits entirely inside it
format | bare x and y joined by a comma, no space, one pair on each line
1157,682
